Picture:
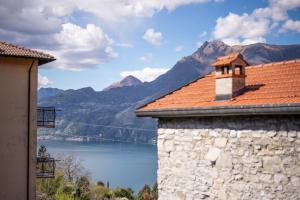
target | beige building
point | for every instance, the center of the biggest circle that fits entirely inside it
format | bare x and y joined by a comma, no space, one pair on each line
233,134
18,127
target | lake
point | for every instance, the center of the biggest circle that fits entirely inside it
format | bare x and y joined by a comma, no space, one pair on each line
122,164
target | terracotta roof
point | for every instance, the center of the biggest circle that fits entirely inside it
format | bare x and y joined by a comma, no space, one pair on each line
226,60
7,49
268,84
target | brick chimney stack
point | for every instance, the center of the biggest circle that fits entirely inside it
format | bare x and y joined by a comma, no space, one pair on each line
230,76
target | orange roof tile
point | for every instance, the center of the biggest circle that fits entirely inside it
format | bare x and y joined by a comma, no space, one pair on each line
7,49
267,84
226,60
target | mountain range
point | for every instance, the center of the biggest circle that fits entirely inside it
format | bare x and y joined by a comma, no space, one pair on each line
110,113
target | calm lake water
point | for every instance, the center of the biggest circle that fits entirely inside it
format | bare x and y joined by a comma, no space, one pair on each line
122,164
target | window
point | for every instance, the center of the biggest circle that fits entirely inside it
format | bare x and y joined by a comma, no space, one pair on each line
225,70
238,70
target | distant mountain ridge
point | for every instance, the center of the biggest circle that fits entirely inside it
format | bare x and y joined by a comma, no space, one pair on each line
48,92
88,112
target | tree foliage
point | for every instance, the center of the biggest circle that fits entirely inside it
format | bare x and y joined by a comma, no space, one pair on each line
72,183
121,192
83,188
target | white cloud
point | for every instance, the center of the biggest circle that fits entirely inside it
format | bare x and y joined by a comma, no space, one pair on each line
44,16
80,48
153,37
125,45
117,11
51,13
28,16
147,74
179,48
44,24
291,25
146,57
241,29
43,81
251,28
277,9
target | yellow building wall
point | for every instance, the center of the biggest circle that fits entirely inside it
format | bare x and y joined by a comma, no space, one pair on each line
14,74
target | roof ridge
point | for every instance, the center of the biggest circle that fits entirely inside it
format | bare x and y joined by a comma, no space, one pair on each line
274,63
8,49
25,48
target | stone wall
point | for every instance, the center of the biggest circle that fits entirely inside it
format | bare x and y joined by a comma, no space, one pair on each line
229,158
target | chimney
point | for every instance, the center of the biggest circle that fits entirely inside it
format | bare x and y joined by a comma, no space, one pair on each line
230,76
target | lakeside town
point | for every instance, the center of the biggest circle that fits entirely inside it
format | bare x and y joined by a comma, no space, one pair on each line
98,138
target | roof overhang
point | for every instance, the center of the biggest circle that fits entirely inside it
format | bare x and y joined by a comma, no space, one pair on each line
269,109
45,61
41,61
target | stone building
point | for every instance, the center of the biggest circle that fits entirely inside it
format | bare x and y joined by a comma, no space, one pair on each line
234,134
18,120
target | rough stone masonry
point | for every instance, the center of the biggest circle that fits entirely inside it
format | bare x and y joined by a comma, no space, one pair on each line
242,157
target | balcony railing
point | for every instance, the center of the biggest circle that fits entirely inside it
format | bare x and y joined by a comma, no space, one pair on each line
46,117
45,165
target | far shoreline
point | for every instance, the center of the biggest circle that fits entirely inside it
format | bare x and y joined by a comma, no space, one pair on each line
84,139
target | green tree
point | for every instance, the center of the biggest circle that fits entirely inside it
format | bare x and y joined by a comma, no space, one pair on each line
154,192
121,192
144,193
107,194
83,188
100,183
60,195
49,187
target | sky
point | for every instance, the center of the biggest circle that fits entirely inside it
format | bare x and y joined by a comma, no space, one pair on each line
98,42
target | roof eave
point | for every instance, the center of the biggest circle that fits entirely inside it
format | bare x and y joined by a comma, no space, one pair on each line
270,109
41,61
45,61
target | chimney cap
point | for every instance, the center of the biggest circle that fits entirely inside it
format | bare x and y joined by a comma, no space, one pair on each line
227,60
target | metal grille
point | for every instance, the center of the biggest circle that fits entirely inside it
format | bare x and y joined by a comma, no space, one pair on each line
45,165
46,117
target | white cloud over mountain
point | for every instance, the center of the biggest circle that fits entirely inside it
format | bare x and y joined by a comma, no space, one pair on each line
52,26
153,37
147,74
49,25
79,48
237,29
251,28
291,25
116,10
43,81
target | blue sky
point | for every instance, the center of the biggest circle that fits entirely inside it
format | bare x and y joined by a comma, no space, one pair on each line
97,42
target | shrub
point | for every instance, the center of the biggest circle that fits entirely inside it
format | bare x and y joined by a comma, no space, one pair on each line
121,192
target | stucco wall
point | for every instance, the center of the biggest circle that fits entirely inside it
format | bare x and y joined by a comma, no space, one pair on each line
229,158
13,128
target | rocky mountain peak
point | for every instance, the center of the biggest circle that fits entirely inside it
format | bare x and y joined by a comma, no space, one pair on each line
127,81
209,51
130,80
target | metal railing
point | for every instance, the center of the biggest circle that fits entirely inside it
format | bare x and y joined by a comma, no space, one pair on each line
45,165
46,117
